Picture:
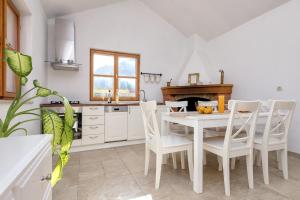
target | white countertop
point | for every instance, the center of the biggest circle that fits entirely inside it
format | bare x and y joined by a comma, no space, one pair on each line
16,152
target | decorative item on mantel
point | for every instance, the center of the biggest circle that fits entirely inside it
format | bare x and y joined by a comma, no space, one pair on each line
151,77
222,76
194,79
169,83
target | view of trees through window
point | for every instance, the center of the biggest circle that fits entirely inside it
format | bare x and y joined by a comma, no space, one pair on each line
115,72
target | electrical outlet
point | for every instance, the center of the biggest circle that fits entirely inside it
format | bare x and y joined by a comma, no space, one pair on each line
279,89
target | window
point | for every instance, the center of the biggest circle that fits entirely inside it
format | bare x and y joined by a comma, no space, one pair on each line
9,38
116,72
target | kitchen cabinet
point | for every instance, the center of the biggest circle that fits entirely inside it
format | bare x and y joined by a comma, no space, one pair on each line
115,126
135,123
26,170
92,125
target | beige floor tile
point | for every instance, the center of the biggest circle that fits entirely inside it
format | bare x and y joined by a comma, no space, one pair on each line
69,193
118,173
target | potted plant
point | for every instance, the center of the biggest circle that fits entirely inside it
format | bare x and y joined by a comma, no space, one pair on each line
61,129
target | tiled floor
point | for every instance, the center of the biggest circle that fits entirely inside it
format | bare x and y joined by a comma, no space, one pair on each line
117,173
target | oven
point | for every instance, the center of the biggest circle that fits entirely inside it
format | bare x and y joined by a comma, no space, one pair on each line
77,127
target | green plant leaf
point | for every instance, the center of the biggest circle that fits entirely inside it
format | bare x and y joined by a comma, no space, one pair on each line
36,83
43,92
67,136
69,113
24,80
57,173
19,63
52,124
66,139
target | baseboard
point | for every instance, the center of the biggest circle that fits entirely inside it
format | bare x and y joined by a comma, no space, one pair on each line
106,145
293,154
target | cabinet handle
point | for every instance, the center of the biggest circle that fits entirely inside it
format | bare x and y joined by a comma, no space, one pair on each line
93,137
93,118
93,108
93,127
46,178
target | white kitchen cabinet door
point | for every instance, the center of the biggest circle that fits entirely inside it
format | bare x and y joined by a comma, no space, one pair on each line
115,126
135,123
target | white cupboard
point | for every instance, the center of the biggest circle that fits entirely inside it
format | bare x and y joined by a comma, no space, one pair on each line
135,123
26,167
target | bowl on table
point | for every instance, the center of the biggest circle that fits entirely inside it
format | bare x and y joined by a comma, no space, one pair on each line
205,109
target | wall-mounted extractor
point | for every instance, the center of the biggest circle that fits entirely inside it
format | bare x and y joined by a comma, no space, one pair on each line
65,46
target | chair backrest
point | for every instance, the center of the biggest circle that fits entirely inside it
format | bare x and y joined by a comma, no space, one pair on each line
149,119
279,120
242,123
176,106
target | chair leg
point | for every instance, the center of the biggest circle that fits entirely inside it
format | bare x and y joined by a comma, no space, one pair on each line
158,170
190,162
147,160
174,160
204,158
258,158
182,157
279,160
284,163
220,163
226,173
233,163
249,161
265,165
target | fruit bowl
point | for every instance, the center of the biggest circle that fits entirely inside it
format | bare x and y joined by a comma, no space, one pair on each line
205,109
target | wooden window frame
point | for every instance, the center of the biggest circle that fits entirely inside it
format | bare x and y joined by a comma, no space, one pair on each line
116,55
3,35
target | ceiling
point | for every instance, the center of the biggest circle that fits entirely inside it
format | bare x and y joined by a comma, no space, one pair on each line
56,8
210,18
207,18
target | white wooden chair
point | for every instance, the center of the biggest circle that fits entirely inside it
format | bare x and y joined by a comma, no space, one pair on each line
162,144
274,137
236,143
212,132
178,106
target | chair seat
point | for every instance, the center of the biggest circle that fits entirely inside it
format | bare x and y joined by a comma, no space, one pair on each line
173,140
272,140
218,143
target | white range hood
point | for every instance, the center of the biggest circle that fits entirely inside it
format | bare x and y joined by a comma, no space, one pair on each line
65,46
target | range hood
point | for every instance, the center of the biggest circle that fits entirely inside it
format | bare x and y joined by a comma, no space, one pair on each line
65,46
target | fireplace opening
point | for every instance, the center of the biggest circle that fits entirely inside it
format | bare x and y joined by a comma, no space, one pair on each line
192,102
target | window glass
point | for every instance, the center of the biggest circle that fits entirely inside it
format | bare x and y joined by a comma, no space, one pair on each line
127,66
102,85
127,87
103,64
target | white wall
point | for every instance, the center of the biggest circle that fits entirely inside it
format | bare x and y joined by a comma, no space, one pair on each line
127,26
196,62
33,41
261,55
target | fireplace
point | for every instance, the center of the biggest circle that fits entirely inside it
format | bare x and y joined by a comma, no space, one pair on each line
195,93
192,102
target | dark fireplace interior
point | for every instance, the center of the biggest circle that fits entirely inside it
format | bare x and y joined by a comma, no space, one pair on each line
192,102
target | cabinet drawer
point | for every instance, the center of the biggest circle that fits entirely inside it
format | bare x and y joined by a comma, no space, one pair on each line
92,139
93,130
93,110
92,120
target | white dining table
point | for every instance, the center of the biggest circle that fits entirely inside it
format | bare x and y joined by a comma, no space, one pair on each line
199,122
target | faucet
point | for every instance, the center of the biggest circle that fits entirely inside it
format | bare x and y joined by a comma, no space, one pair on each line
144,95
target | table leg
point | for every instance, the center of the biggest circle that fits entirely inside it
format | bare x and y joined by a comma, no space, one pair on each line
198,158
163,131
